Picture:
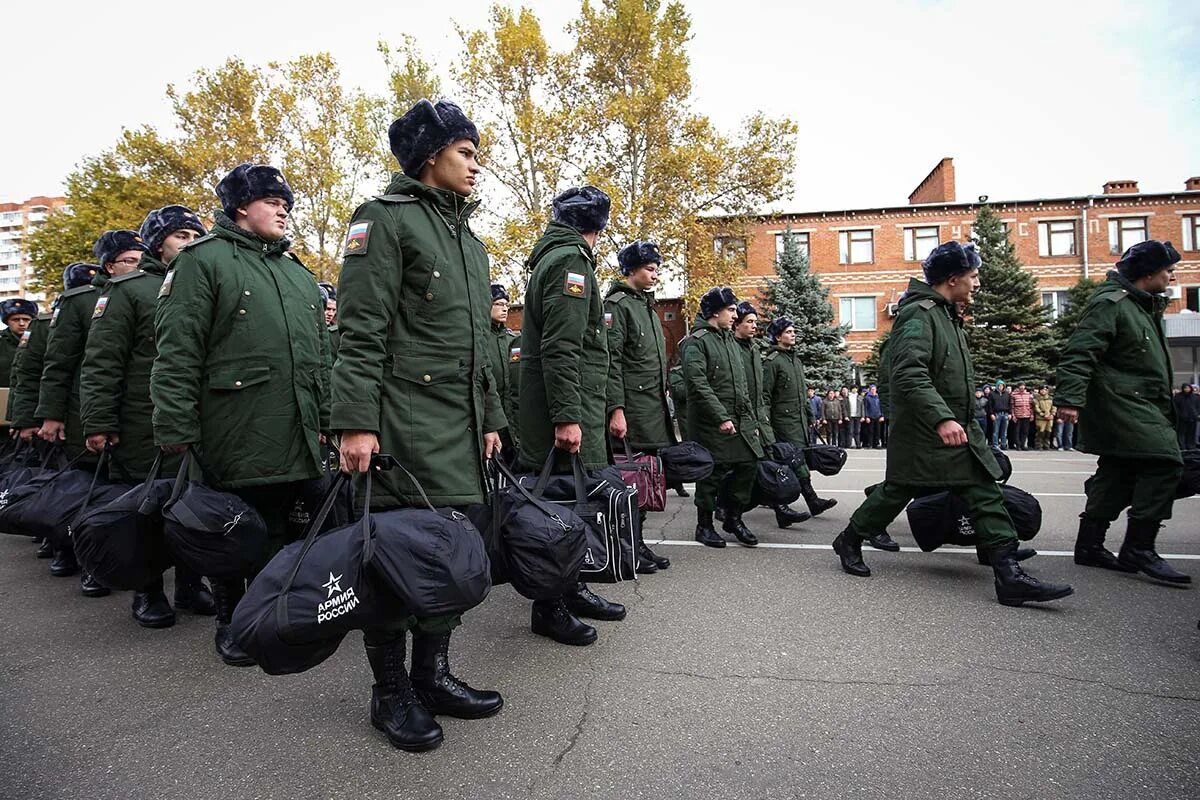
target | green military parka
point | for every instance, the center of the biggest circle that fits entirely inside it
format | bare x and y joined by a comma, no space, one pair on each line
717,391
637,371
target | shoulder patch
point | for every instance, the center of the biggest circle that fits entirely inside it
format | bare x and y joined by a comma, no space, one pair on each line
575,284
101,304
396,198
514,353
128,277
357,238
205,238
168,281
25,338
1115,296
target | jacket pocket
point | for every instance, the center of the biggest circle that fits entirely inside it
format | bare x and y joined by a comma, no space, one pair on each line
238,376
425,370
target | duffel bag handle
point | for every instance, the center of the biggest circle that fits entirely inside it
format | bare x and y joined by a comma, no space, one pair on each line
539,488
538,502
87,499
381,462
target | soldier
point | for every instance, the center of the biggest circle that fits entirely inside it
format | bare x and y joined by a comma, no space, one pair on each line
329,303
241,372
563,374
786,394
745,335
1043,412
413,381
933,442
114,389
505,356
722,416
1117,369
16,314
637,369
118,253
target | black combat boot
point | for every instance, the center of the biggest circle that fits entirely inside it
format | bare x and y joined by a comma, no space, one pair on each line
786,515
192,595
816,505
552,619
1138,554
90,587
395,709
848,546
226,595
150,606
1023,554
705,533
883,541
1014,586
64,564
680,491
583,602
1089,546
436,687
733,524
643,550
45,549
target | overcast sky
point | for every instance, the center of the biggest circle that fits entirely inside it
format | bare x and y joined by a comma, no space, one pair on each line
1032,98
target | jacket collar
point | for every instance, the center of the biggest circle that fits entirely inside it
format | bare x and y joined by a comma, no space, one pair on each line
1154,303
225,228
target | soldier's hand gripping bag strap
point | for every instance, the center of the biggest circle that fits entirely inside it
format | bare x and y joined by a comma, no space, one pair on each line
775,484
541,544
686,462
825,458
24,465
47,504
120,543
1189,481
432,559
212,533
313,592
643,471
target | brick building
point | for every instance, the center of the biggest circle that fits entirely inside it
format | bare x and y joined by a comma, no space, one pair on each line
17,221
866,256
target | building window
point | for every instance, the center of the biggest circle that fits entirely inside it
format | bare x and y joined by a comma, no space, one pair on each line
1125,232
919,242
858,313
1191,298
1056,238
730,248
857,247
1057,302
1191,232
801,240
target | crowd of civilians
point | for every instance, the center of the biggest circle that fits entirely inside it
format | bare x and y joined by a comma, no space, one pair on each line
1017,419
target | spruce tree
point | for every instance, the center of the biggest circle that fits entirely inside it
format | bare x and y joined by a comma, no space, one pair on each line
799,295
1077,300
1008,330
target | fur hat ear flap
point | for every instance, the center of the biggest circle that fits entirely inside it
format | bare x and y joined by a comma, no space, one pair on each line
584,208
499,292
425,130
246,183
1147,258
112,243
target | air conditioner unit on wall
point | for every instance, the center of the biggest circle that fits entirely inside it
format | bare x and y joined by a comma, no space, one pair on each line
893,309
1174,292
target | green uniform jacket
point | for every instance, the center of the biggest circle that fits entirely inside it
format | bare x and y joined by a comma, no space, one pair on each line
717,391
637,367
114,383
58,395
679,397
504,354
243,359
413,367
335,342
564,358
753,364
931,379
8,351
1117,368
786,394
27,374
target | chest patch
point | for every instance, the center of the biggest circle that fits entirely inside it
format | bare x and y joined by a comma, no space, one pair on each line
574,285
101,304
608,319
25,338
357,238
54,318
167,283
514,354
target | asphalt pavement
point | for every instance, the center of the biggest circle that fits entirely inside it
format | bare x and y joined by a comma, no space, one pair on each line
738,673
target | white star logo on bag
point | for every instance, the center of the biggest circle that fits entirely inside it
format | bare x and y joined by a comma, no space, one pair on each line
333,585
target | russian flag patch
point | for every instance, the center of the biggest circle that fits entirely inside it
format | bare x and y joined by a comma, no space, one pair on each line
357,238
575,285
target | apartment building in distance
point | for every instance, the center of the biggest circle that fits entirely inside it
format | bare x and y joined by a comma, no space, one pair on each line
17,222
866,256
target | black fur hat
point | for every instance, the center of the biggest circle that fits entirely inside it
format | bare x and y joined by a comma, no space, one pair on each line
17,305
79,274
716,299
112,243
583,208
1147,258
745,309
499,292
778,326
162,222
637,254
330,289
949,259
425,130
246,183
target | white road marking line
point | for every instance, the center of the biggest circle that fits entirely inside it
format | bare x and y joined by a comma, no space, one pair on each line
866,548
1016,472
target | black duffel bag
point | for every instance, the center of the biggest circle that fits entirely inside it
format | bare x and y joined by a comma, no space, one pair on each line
775,484
1005,464
121,542
686,462
540,545
25,465
824,458
1189,481
944,518
313,592
212,533
48,503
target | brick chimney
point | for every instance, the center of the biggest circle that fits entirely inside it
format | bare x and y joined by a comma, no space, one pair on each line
1192,185
1121,187
938,186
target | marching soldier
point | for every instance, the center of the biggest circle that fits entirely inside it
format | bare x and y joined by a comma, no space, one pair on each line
114,388
16,314
242,367
637,370
745,334
722,417
786,394
118,253
505,356
1116,367
933,441
413,381
563,375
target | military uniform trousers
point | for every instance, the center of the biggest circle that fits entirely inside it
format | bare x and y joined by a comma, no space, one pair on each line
1145,486
731,484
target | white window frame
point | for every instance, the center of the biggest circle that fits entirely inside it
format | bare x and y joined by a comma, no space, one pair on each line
802,241
1121,230
1191,231
850,237
1049,230
1057,301
920,235
854,300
